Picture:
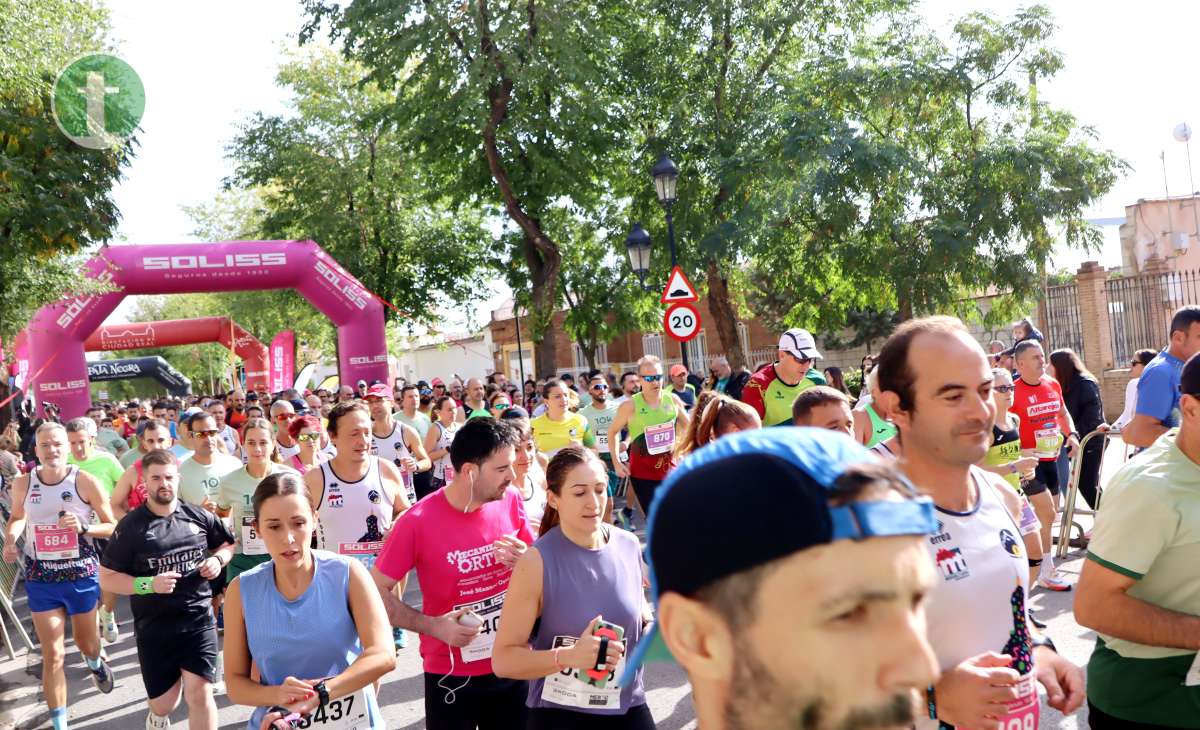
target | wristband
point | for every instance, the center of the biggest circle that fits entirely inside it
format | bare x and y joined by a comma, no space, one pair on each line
143,586
322,693
931,702
1044,640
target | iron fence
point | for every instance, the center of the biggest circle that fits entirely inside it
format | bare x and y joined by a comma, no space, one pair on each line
1140,309
1064,326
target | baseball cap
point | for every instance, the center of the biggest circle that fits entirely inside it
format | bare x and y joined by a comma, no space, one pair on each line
436,382
800,343
785,476
678,369
379,390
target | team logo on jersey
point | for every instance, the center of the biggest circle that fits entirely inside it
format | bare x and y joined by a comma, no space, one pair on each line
952,563
373,496
67,496
397,445
35,497
194,528
335,500
941,535
1012,546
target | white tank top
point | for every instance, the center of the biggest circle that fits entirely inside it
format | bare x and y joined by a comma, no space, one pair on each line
978,602
352,517
392,448
442,468
535,503
43,503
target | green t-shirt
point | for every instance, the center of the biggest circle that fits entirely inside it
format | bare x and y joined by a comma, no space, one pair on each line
102,465
129,457
420,422
111,441
1149,530
599,419
236,492
198,481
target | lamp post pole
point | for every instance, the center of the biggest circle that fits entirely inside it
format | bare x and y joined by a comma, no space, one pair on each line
665,174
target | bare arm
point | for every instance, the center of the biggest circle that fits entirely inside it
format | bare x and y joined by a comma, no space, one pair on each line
511,656
413,440
619,422
16,522
120,494
1103,604
114,582
314,483
397,611
378,656
681,420
1143,431
395,482
431,438
862,427
96,498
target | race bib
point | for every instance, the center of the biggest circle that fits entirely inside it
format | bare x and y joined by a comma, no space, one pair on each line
1029,519
447,472
345,713
573,688
1048,442
661,438
51,542
252,542
410,491
363,552
488,609
1023,712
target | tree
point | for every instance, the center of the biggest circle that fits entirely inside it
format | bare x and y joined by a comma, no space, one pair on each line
336,171
511,106
55,202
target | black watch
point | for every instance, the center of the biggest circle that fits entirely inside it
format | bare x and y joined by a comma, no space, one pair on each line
1046,641
322,693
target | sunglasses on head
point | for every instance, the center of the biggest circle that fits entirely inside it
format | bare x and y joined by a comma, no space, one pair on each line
652,378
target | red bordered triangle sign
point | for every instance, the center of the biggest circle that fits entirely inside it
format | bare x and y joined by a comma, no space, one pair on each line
678,288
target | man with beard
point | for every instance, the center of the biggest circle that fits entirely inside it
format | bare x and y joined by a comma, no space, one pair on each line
935,382
463,541
771,626
164,553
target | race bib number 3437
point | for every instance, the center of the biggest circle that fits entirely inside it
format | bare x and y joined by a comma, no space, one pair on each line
345,713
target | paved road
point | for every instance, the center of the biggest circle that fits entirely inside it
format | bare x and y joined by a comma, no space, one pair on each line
402,693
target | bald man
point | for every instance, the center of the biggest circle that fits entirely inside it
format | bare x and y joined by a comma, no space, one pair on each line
474,404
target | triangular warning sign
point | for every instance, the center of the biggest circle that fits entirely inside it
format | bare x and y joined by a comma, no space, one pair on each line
678,289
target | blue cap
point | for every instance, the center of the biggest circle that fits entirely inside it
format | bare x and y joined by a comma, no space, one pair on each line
768,491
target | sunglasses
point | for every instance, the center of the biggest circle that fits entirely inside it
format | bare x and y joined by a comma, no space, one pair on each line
501,406
206,433
425,392
652,378
1004,388
282,417
373,399
599,386
306,437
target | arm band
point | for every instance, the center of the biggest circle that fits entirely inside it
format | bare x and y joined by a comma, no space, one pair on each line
143,586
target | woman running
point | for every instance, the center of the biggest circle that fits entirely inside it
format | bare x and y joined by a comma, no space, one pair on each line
236,494
438,439
721,416
577,589
498,403
529,477
307,433
272,608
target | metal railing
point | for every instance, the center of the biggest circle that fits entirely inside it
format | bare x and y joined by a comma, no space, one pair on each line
1064,326
1140,308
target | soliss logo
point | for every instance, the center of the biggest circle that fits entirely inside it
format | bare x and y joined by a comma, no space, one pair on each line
343,285
69,385
368,360
228,261
76,306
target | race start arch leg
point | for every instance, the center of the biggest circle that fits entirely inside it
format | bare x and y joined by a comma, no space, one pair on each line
57,332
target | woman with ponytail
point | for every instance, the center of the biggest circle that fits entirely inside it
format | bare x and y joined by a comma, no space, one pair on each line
580,585
716,416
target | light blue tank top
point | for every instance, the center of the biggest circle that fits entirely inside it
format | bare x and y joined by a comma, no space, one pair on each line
312,636
577,584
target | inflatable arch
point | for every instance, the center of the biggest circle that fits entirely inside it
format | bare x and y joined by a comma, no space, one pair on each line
173,332
58,371
176,383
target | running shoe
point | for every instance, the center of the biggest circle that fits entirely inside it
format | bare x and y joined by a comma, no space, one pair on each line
1052,582
102,677
400,637
154,722
219,685
108,626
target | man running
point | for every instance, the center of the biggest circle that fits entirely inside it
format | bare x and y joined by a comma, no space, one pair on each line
395,442
1045,421
200,476
410,414
53,507
236,408
1157,408
81,434
130,490
772,390
936,383
824,407
463,541
630,385
653,418
164,554
1140,590
474,404
600,413
226,432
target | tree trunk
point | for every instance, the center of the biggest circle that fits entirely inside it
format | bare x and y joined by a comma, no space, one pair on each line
724,316
543,275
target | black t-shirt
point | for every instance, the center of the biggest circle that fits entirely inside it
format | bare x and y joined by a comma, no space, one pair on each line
145,544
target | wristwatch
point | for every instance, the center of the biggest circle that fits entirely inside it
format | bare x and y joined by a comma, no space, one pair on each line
1044,640
322,693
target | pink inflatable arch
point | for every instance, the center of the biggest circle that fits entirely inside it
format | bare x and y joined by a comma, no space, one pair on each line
58,371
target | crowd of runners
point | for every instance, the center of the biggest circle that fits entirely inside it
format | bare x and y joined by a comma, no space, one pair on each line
810,559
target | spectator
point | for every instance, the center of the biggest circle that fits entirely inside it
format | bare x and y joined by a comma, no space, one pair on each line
681,387
1140,360
725,380
1157,409
1024,330
1081,394
833,375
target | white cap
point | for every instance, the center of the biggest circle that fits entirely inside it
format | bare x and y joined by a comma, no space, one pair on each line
800,343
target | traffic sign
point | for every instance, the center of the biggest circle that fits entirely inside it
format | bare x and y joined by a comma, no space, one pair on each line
682,322
678,288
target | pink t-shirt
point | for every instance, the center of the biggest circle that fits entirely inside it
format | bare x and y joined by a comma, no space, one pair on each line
456,567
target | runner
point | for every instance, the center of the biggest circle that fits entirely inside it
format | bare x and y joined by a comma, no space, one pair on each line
653,418
772,390
474,405
824,407
410,414
236,493
1045,421
130,491
356,496
282,414
716,415
870,428
771,627
165,554
558,427
600,413
200,476
395,442
104,467
576,601
936,384
498,402
229,436
463,541
306,432
681,388
1158,388
437,443
630,385
1140,590
529,473
236,408
60,511
304,587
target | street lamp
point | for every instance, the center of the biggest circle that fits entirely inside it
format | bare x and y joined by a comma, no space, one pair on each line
665,175
637,244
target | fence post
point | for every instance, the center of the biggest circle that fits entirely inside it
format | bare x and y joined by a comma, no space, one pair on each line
1094,319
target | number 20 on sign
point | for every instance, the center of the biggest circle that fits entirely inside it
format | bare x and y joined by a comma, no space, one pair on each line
681,322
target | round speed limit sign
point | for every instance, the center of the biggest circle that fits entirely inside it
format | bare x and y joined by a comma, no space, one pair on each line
682,322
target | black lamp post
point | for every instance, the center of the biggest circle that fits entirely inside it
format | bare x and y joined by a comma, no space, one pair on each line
665,175
637,244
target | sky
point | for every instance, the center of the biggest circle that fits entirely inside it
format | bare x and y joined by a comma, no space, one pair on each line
207,67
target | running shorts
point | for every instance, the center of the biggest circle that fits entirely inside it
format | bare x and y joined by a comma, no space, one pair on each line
74,596
1045,478
165,652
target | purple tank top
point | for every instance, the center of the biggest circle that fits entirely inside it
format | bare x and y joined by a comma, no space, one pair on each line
578,584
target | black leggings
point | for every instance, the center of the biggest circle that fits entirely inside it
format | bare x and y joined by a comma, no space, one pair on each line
644,489
545,718
1089,469
485,702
